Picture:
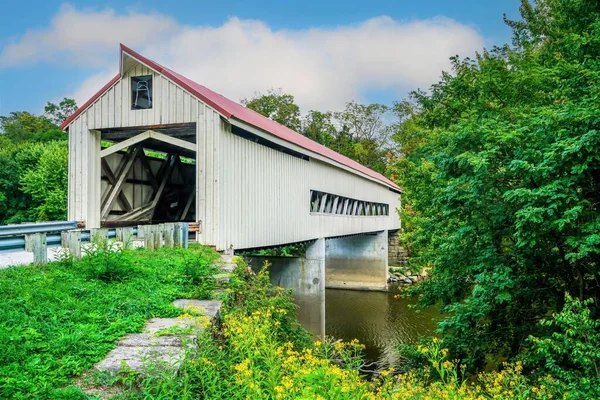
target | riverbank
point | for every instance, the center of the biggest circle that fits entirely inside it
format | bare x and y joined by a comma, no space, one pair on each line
59,321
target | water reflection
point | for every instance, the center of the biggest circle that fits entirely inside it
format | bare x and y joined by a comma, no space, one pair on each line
376,319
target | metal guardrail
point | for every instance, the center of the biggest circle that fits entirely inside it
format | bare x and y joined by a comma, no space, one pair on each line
12,237
41,227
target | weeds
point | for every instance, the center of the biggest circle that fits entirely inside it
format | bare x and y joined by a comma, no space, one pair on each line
56,323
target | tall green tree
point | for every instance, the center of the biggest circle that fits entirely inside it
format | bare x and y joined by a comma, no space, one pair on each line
502,179
58,113
21,126
278,106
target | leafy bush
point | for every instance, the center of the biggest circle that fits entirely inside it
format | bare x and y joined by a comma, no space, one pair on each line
570,355
196,263
46,182
33,182
107,260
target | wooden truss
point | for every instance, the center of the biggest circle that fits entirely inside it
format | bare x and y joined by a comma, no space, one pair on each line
327,203
158,182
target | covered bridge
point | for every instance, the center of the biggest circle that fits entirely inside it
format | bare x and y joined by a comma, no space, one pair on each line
154,146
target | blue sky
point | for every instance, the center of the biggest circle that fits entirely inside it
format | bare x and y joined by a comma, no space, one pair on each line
324,52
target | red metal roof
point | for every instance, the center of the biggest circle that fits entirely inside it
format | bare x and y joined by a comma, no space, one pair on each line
229,109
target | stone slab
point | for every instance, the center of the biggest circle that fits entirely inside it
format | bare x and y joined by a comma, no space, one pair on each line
210,308
228,267
157,324
222,278
137,358
228,258
147,340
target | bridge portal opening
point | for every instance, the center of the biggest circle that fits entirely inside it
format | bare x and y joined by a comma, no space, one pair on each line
148,175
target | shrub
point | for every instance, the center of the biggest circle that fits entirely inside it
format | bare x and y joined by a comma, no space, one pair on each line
569,358
107,260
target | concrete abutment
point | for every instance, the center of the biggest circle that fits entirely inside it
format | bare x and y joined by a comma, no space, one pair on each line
357,262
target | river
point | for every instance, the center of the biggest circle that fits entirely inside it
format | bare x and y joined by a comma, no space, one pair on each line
377,319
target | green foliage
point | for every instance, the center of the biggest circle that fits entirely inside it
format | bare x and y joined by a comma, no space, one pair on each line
276,105
107,260
253,355
294,250
360,132
58,113
33,182
571,354
22,126
501,174
56,323
252,292
46,182
34,158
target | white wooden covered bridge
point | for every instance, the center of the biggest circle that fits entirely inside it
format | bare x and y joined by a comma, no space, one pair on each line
154,146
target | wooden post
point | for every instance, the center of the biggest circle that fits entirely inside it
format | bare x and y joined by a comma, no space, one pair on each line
98,234
168,231
64,239
177,234
149,237
28,242
73,239
158,236
40,249
119,234
140,233
126,236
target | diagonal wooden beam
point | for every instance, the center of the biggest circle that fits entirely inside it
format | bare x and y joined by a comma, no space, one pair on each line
161,137
112,180
125,143
165,178
116,189
322,204
146,164
188,204
173,140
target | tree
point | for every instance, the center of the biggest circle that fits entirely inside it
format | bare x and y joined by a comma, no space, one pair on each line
58,113
320,127
364,134
502,182
22,126
278,106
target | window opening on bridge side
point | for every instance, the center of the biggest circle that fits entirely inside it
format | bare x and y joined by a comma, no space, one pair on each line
328,203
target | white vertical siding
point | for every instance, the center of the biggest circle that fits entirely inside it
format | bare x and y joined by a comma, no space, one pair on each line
171,104
265,197
207,173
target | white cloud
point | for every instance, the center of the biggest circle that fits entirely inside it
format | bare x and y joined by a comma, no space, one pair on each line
322,67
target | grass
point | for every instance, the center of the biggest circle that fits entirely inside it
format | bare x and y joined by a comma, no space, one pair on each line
55,323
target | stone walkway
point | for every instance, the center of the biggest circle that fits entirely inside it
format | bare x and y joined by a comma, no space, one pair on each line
164,340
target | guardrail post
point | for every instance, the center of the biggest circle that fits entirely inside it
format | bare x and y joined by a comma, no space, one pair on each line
125,235
158,236
140,231
177,233
100,234
148,236
73,239
185,235
28,242
168,231
40,249
119,234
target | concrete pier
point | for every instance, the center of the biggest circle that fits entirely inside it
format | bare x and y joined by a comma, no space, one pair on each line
357,262
306,276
